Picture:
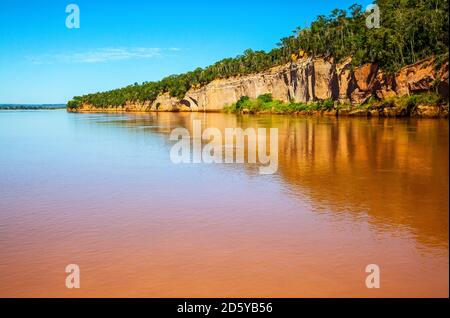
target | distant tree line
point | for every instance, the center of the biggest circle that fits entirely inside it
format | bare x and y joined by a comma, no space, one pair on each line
410,30
31,107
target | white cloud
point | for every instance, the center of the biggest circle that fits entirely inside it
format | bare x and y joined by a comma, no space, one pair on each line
100,55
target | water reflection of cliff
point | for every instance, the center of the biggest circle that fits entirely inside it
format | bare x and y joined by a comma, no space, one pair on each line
393,171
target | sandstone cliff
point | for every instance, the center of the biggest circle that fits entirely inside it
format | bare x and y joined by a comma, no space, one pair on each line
306,80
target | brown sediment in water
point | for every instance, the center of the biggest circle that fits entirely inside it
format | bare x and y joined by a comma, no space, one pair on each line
349,192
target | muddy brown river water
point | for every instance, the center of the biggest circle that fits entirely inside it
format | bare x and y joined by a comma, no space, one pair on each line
100,191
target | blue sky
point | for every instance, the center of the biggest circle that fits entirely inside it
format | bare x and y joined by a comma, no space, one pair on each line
122,42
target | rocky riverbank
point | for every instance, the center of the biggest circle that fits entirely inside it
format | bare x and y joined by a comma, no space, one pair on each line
311,80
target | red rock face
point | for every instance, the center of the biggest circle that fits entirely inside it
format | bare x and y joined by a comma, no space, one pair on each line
365,76
442,85
415,78
385,86
308,80
311,79
369,80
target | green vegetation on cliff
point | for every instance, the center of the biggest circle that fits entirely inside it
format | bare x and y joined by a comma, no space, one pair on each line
410,30
399,106
265,103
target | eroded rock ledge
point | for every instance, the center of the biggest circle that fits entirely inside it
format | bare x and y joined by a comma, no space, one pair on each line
309,80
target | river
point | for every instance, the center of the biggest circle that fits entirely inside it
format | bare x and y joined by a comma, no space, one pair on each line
100,191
